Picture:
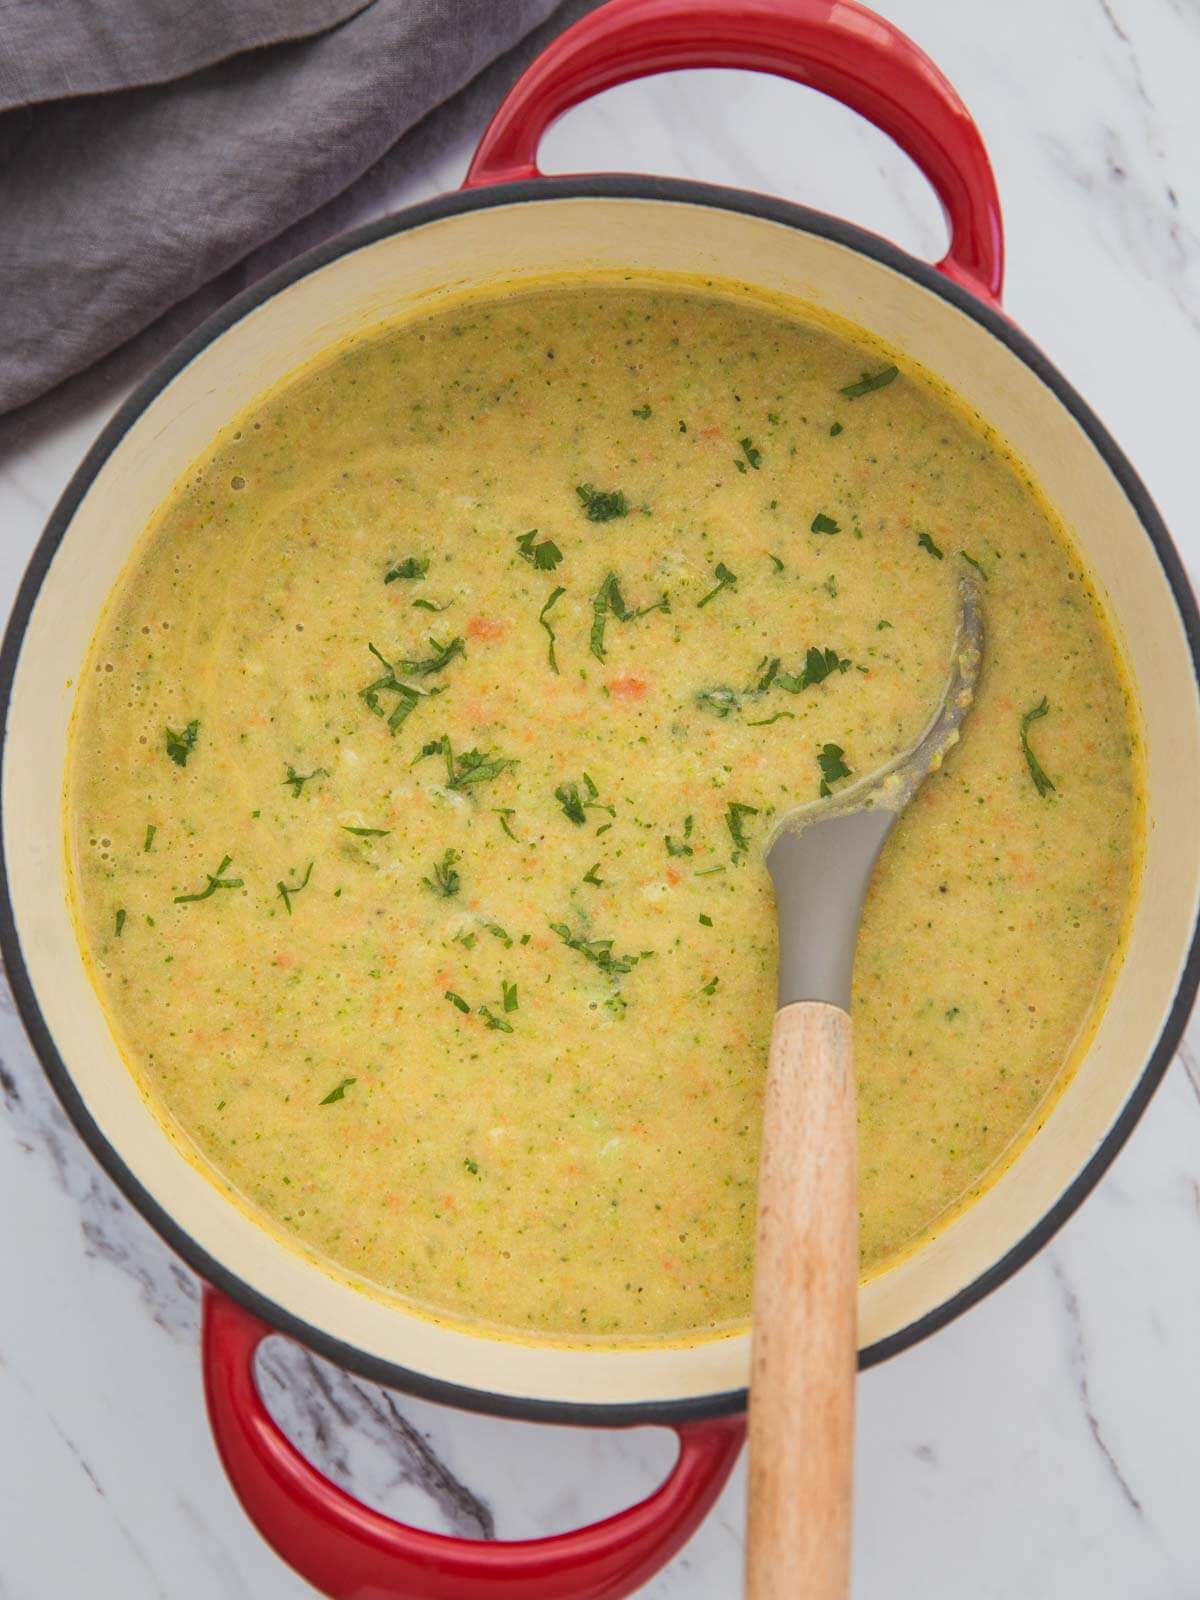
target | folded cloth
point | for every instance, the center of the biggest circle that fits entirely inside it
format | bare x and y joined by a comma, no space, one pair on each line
116,206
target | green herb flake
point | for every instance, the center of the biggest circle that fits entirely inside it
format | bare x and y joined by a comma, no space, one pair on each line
509,994
780,716
753,456
676,847
683,427
725,580
925,540
576,805
215,882
504,814
869,382
151,830
464,771
297,780
598,951
396,680
971,562
601,505
608,599
735,815
643,412
705,920
412,568
775,561
181,745
555,596
287,890
119,922
880,626
542,557
471,1166
823,524
835,430
493,1021
721,700
428,605
590,876
818,665
457,1001
366,833
710,987
445,880
833,768
338,1093
1041,779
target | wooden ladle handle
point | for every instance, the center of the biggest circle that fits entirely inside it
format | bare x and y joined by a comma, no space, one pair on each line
805,1343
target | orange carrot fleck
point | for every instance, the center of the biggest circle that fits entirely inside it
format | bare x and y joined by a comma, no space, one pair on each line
627,687
487,628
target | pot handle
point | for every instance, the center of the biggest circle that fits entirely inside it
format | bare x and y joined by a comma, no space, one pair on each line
349,1552
836,46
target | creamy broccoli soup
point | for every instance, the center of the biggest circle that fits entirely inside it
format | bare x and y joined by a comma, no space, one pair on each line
424,757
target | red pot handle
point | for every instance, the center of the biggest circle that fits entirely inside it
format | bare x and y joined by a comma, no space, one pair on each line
349,1552
835,46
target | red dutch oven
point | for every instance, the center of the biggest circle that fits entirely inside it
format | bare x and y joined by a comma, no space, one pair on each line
509,223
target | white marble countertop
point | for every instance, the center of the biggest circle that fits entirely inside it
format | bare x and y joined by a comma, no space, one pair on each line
1045,1444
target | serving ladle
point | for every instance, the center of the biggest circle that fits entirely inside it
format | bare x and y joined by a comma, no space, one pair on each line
805,1346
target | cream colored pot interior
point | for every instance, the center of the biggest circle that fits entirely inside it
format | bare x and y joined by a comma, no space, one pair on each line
418,267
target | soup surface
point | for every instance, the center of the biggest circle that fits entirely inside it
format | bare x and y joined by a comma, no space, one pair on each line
424,757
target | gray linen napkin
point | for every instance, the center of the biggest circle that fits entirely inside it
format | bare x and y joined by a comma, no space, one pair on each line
115,207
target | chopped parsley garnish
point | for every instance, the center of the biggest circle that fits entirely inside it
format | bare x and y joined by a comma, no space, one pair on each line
339,1093
575,806
725,580
683,427
765,722
735,814
835,430
151,830
642,411
833,768
880,626
598,951
1037,772
504,814
555,595
608,598
542,557
721,700
494,1021
299,779
509,993
705,920
590,876
971,562
445,880
818,664
710,987
775,561
925,540
869,382
428,605
181,745
467,769
498,932
395,676
823,524
412,567
676,847
753,456
119,922
601,505
457,1000
215,882
366,833
471,1166
830,586
287,890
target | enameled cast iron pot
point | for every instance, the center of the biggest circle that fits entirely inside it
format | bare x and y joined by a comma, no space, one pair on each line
509,222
